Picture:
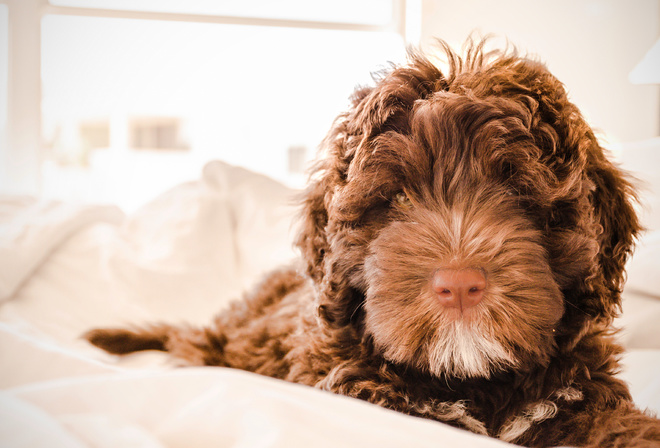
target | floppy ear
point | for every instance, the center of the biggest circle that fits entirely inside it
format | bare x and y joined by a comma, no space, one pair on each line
327,175
612,200
333,292
611,221
604,213
312,239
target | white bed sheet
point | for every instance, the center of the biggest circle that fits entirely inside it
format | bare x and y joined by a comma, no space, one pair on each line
200,407
181,258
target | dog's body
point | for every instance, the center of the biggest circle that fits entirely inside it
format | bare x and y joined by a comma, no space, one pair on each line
464,241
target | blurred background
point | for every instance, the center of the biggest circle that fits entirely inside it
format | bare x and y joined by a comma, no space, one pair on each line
117,100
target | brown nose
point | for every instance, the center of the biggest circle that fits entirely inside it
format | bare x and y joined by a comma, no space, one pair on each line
459,288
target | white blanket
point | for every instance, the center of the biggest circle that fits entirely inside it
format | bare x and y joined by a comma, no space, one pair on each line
65,269
31,229
207,407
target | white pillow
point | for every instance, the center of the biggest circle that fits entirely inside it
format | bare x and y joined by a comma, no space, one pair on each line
176,255
641,295
31,229
642,160
263,211
184,255
643,269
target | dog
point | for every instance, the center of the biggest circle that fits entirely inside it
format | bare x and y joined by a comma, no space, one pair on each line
463,242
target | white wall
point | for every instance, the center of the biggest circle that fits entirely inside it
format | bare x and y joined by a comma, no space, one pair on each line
21,139
590,45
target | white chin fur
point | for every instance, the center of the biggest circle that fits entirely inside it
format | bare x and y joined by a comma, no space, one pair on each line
464,352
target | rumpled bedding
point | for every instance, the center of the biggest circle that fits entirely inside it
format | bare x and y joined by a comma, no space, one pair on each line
67,268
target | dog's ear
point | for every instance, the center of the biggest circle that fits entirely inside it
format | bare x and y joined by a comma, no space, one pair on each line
327,174
602,198
333,297
312,240
612,200
601,218
612,220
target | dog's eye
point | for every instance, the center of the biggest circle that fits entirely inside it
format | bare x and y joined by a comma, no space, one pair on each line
402,200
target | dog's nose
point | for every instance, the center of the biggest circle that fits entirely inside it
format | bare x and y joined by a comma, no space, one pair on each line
459,288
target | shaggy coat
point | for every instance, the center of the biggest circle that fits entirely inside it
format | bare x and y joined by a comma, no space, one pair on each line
484,172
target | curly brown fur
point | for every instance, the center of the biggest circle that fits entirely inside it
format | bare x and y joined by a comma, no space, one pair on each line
486,168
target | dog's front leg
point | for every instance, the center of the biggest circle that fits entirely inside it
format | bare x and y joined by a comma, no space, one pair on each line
545,425
623,426
192,345
376,390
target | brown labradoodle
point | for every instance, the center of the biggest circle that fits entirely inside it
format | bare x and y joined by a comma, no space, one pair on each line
463,241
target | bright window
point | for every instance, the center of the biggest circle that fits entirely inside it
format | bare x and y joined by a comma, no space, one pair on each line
133,106
4,64
372,12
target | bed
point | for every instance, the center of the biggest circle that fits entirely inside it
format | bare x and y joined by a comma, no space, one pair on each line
65,268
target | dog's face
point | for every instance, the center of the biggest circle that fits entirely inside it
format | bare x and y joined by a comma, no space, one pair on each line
466,223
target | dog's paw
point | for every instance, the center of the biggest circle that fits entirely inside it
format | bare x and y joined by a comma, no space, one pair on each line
121,341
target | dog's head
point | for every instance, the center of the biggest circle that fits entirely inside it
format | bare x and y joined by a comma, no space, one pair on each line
466,221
